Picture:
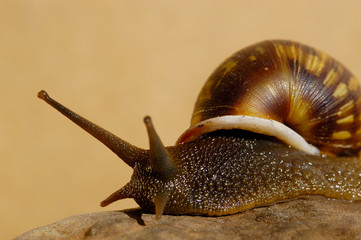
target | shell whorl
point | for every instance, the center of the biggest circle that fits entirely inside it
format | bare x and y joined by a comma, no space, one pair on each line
299,86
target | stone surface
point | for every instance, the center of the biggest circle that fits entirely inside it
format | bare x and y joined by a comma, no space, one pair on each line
299,219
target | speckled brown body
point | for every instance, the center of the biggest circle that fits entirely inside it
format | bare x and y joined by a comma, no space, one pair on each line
236,171
229,171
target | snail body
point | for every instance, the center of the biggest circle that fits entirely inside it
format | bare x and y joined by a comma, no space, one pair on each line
228,161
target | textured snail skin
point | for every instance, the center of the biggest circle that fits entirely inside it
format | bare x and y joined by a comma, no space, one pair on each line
231,171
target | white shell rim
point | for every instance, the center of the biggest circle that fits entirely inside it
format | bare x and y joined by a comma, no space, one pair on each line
254,124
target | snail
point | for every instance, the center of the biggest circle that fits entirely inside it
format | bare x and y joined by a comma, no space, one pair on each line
278,120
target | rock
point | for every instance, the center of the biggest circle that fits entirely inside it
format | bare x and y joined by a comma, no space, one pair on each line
298,219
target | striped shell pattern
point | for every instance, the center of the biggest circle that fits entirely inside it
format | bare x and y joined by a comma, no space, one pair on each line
288,83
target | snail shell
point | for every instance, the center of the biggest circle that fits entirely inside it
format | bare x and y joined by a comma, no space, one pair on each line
274,86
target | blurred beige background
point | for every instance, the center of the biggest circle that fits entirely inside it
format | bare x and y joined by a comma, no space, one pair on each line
114,62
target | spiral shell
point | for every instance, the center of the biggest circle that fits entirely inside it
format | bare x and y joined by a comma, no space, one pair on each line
284,82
